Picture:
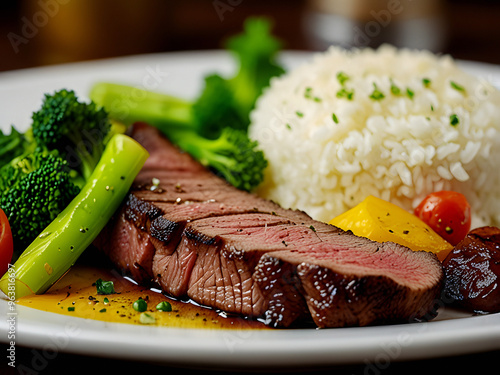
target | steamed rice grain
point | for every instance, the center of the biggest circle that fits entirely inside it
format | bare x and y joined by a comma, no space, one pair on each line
396,124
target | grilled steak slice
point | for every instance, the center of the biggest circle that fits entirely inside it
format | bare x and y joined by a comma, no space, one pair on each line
355,282
198,237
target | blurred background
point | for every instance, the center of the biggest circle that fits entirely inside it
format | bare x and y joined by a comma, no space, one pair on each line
43,32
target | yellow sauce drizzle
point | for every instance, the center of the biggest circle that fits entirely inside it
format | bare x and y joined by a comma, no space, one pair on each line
75,295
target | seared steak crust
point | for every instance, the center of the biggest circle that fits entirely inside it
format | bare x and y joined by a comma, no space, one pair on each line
195,236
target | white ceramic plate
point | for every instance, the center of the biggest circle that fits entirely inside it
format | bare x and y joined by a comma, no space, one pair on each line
451,333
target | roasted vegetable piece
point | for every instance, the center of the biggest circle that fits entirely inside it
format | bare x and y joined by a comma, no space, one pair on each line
6,243
60,244
383,221
473,271
448,213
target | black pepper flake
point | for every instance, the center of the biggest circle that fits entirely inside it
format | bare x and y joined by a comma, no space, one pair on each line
406,231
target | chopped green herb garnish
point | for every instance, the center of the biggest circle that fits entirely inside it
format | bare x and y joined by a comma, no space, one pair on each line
102,310
344,93
71,308
454,121
342,77
334,118
426,82
395,89
410,93
288,126
432,108
140,305
106,300
457,87
164,306
376,94
299,114
312,228
104,287
146,318
308,95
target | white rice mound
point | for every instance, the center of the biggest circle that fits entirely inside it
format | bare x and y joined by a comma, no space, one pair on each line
327,152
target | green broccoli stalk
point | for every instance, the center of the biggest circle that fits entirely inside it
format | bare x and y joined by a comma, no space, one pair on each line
34,189
224,102
128,104
77,130
232,156
60,244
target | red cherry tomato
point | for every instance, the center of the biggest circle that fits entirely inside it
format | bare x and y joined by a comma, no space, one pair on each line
6,243
447,213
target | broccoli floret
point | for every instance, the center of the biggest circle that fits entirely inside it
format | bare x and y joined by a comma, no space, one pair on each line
255,49
216,108
76,129
14,144
228,102
34,189
232,156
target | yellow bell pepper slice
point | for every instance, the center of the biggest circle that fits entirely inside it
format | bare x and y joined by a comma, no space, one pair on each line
382,221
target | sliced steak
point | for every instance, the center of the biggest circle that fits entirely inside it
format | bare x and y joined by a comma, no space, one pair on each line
198,237
355,282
